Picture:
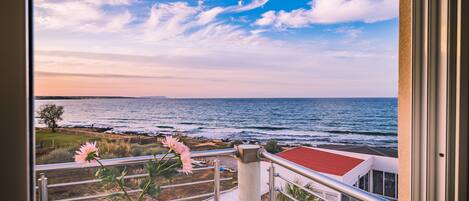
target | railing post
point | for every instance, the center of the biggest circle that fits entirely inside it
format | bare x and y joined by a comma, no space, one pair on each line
42,183
272,188
249,173
216,180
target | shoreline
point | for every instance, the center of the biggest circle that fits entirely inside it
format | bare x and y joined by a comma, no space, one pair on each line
287,141
199,143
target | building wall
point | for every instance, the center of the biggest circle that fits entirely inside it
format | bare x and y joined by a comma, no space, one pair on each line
353,175
371,162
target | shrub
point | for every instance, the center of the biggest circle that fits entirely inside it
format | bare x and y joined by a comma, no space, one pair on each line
60,155
137,151
272,147
297,193
235,143
154,151
119,148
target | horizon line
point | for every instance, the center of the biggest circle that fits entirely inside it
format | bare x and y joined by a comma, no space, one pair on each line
166,97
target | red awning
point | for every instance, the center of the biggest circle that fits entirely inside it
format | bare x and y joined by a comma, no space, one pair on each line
321,161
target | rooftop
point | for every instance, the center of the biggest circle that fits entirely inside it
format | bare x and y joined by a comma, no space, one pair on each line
377,151
321,161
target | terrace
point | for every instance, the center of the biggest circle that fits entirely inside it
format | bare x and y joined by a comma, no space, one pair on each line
249,181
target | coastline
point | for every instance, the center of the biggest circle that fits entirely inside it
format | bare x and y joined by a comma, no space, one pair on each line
204,143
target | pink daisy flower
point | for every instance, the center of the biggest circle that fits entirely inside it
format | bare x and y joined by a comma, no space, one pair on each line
170,142
174,144
186,162
87,153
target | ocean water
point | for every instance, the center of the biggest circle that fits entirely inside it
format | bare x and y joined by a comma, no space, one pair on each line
357,121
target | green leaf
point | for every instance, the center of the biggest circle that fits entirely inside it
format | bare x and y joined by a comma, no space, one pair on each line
115,196
151,167
107,175
145,181
154,190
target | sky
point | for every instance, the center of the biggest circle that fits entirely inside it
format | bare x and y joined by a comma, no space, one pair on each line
216,48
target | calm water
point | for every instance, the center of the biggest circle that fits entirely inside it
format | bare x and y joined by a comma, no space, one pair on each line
366,121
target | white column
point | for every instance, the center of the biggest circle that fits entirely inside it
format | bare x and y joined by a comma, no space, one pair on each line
249,173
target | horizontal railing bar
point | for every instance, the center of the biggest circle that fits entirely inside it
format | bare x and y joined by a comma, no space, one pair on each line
194,183
194,197
133,191
99,180
389,198
198,196
322,179
129,160
287,195
73,183
300,186
99,195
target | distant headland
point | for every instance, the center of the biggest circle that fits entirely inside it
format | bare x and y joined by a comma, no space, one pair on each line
94,97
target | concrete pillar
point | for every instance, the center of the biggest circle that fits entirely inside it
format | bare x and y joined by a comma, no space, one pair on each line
249,173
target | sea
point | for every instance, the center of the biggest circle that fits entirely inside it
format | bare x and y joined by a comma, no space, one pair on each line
311,121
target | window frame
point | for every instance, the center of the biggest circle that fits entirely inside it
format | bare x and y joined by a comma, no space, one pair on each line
432,89
17,84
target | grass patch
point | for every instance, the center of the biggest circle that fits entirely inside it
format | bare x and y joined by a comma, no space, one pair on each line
56,140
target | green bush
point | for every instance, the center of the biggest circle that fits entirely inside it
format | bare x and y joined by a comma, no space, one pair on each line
272,147
235,143
297,193
137,151
60,155
119,148
154,151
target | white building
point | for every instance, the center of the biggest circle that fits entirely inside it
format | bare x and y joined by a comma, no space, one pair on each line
377,174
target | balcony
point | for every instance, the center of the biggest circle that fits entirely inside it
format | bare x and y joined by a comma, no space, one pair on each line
251,186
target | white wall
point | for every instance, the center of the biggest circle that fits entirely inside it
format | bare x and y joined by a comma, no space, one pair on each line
361,169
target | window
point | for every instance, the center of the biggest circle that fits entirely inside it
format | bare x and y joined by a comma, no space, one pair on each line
378,182
18,15
214,73
384,183
390,184
363,182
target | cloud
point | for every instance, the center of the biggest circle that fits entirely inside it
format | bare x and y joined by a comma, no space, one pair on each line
174,42
86,15
250,6
349,31
168,21
44,74
209,16
331,12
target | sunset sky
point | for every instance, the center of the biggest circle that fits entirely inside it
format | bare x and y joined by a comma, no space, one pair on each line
216,48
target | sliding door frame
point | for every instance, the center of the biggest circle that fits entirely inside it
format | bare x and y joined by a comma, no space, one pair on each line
16,149
433,92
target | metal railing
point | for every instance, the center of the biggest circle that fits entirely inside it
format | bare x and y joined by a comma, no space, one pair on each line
314,176
246,155
43,185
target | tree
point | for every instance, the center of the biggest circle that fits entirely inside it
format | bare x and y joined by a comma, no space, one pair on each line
272,147
50,114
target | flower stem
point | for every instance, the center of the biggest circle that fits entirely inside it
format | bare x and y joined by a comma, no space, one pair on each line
167,168
145,189
126,195
158,172
118,181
